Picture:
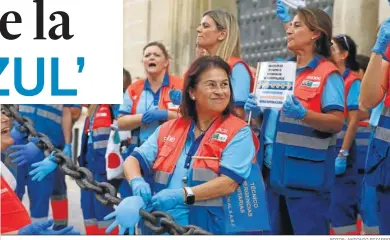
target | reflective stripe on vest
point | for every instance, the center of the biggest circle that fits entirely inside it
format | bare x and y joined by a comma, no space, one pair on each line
360,140
57,106
26,109
382,134
49,115
215,202
304,141
100,144
386,112
301,140
161,177
285,119
101,131
203,174
90,222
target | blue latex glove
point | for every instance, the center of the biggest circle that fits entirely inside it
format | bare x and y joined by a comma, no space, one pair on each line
293,108
25,154
42,228
383,38
251,106
126,215
167,199
340,165
18,136
141,188
43,168
154,115
175,96
282,12
68,150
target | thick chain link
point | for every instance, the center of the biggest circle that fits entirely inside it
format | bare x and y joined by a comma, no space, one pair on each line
158,222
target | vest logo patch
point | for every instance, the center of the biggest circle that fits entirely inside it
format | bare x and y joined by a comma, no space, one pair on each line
172,106
310,83
219,137
222,130
169,139
3,190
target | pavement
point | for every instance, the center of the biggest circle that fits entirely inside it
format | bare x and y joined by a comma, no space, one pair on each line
75,214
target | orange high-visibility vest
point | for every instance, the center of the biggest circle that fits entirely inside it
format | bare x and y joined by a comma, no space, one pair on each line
135,91
171,141
310,84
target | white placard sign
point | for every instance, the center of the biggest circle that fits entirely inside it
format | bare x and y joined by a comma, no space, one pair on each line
295,3
274,83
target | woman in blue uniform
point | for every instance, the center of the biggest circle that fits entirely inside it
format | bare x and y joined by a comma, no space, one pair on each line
351,142
375,88
298,141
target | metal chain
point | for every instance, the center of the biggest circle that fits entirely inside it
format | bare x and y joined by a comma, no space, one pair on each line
158,222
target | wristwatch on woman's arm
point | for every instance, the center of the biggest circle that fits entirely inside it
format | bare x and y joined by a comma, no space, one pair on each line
189,196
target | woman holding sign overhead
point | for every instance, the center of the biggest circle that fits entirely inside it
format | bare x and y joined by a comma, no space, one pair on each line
219,34
298,150
195,160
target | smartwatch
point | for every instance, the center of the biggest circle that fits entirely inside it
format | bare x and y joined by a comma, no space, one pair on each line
344,153
190,196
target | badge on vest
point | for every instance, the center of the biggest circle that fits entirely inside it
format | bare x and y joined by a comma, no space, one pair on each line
219,137
310,83
172,106
102,114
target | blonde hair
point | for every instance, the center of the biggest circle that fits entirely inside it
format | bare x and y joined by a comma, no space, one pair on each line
230,46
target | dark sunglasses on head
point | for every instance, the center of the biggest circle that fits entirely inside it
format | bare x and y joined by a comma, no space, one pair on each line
344,38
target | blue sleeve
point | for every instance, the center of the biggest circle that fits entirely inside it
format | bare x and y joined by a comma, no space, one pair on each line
146,154
353,96
115,110
333,95
237,157
125,107
241,80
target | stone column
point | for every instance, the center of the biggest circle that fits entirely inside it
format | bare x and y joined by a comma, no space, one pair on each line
135,34
384,10
358,19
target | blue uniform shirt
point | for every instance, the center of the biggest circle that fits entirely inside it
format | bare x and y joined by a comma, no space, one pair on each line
235,164
332,99
241,80
148,101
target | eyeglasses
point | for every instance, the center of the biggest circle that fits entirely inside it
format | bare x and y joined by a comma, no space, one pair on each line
345,40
